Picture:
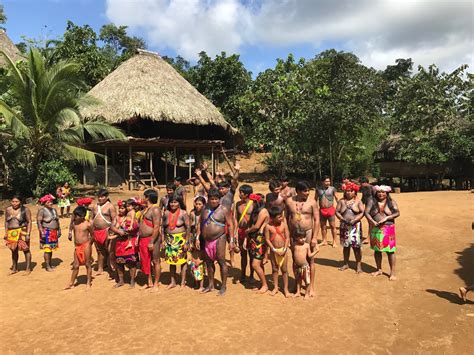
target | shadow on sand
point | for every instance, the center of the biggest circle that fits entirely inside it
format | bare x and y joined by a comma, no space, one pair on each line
465,259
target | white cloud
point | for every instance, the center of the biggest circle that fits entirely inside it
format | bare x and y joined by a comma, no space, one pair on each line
429,31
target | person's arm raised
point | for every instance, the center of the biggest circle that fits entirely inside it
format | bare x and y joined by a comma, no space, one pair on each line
235,178
207,186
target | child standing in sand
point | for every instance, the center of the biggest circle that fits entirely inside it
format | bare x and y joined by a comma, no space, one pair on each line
301,256
83,233
277,238
130,221
196,256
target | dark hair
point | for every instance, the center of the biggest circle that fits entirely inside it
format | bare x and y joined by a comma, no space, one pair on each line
273,185
200,198
375,203
363,179
151,195
246,189
80,211
213,192
179,179
18,197
170,186
131,202
299,232
301,186
102,193
275,211
257,207
325,177
177,198
224,184
284,178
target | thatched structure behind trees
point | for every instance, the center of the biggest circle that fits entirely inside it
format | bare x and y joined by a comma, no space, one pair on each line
7,46
163,116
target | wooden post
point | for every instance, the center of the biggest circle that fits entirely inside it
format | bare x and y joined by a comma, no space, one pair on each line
213,172
106,168
151,168
175,161
166,167
84,182
129,166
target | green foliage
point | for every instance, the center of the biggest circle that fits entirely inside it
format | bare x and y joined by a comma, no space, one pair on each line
52,173
118,45
42,116
79,44
432,113
223,80
3,17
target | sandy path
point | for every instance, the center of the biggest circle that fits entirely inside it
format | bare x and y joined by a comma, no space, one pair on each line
418,313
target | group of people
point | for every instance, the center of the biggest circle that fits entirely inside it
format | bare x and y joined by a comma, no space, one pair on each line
137,234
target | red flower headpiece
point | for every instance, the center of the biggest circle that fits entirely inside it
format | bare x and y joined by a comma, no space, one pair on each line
46,198
350,187
255,197
84,201
120,203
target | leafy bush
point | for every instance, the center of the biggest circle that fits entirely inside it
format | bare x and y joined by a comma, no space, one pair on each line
22,180
52,173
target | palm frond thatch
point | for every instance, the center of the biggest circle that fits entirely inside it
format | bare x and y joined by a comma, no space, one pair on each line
146,86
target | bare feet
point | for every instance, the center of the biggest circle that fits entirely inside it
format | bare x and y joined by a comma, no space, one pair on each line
392,277
344,267
297,294
323,243
274,292
334,244
306,296
132,285
262,290
463,293
12,272
377,273
69,287
288,294
27,272
99,272
311,293
222,291
49,269
171,285
118,284
88,287
207,289
359,270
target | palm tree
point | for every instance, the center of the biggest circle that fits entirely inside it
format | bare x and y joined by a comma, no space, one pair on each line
45,115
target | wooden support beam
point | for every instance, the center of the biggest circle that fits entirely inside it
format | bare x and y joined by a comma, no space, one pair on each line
166,167
175,162
150,156
106,168
129,166
213,171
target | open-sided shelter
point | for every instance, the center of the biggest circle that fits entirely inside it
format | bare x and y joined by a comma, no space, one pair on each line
164,117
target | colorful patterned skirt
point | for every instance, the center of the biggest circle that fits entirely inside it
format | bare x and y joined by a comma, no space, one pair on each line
257,246
382,238
49,240
16,239
123,253
350,235
174,248
64,202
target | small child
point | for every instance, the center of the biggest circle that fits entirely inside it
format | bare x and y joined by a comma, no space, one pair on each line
277,237
130,220
301,256
83,233
196,256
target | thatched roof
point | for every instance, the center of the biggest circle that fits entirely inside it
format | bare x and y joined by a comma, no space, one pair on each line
7,46
146,86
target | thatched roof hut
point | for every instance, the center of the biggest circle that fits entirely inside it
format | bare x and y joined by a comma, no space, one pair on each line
147,87
162,115
7,46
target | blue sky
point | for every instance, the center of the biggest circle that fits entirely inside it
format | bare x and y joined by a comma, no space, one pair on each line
379,32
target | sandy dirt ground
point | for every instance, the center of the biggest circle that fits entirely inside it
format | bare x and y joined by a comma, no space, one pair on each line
419,313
